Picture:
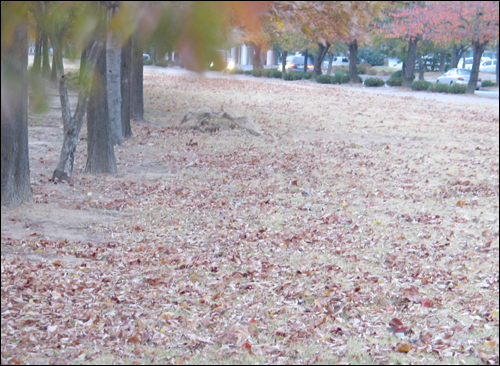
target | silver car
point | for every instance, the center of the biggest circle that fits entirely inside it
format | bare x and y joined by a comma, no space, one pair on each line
457,76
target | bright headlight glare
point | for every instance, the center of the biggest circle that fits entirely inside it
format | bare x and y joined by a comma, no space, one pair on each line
230,65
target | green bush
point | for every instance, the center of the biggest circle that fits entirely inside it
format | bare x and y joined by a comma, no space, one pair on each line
308,76
374,82
420,85
439,88
237,71
488,83
162,63
340,72
397,75
247,72
325,79
147,62
297,75
275,73
258,72
360,79
267,72
394,81
288,76
458,89
344,79
366,69
370,56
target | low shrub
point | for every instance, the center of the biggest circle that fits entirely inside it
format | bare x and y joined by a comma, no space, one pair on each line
297,75
439,88
394,81
275,73
308,75
344,69
267,72
247,72
147,62
366,69
325,79
162,63
397,75
258,72
237,71
420,85
374,82
488,83
288,76
343,79
458,89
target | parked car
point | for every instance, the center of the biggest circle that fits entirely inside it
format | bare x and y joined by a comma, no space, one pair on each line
146,57
296,63
469,62
489,66
457,76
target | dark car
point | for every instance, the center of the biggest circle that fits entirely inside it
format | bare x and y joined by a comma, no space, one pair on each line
296,63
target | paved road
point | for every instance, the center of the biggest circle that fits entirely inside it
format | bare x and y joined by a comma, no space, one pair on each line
483,97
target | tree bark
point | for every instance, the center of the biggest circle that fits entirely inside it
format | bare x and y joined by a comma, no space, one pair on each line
257,61
456,54
353,56
136,86
101,155
498,42
330,63
37,60
409,74
284,54
125,75
421,66
322,51
113,65
15,171
479,48
45,56
306,56
442,64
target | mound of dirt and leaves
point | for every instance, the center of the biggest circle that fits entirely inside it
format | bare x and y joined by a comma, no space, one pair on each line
358,228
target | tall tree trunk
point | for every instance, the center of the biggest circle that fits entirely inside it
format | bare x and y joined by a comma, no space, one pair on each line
409,74
442,64
113,65
330,64
125,75
37,60
284,54
421,66
322,51
257,61
353,56
136,86
83,62
306,62
101,155
15,171
45,56
498,42
479,48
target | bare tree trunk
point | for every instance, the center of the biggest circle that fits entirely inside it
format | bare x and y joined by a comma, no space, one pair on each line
37,60
409,74
15,171
456,53
322,51
101,155
498,42
113,65
353,56
45,56
125,74
330,63
479,48
136,83
442,64
257,61
421,66
73,125
284,54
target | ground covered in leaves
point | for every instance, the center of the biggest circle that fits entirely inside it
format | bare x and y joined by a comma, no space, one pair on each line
358,228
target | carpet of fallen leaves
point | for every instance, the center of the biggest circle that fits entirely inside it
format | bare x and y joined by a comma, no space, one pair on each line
357,229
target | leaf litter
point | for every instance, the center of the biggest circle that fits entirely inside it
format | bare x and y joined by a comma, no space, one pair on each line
217,255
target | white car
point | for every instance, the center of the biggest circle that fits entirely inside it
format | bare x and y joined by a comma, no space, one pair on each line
489,66
457,76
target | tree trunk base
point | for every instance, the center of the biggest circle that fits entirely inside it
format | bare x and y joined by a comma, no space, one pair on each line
60,176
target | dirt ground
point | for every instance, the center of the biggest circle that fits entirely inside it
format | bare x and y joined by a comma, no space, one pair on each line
386,191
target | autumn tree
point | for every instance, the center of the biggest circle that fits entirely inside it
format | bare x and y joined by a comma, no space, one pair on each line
15,173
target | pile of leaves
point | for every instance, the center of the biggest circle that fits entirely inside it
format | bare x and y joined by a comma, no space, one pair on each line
356,229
